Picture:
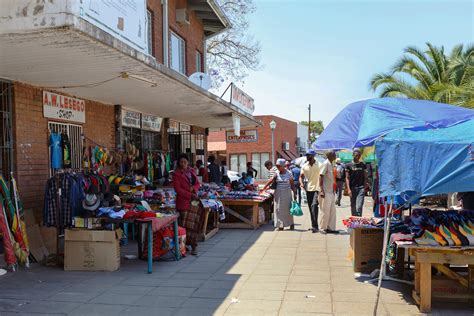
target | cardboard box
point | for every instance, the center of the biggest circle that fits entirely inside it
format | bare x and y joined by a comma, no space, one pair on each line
443,288
91,250
366,245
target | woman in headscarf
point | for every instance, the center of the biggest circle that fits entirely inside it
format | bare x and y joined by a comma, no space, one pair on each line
285,185
186,185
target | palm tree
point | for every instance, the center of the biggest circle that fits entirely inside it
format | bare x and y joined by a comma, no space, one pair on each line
431,75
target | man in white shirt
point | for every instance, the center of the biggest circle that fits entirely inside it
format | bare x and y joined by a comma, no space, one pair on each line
310,171
328,197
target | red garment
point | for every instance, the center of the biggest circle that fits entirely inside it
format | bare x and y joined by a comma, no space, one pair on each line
204,174
147,215
182,186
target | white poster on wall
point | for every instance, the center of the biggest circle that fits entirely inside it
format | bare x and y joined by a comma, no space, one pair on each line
124,19
62,107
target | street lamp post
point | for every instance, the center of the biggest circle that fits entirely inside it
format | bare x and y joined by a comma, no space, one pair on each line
273,125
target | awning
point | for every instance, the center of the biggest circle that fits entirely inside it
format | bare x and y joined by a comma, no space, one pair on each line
90,62
216,146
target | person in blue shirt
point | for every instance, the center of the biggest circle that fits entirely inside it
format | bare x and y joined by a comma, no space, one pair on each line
296,171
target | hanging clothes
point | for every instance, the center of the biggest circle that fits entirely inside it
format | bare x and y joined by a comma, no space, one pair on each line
56,151
66,148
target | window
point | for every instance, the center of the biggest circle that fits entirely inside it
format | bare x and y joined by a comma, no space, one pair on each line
238,163
74,133
151,140
177,53
149,22
198,62
258,163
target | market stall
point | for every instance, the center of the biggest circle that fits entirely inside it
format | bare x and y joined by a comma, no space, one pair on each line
422,148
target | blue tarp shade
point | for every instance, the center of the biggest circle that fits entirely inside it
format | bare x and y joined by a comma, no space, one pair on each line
427,162
359,124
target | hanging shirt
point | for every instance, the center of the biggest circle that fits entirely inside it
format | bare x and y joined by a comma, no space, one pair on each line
56,151
66,148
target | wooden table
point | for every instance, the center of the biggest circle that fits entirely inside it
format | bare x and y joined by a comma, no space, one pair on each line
210,217
251,206
440,258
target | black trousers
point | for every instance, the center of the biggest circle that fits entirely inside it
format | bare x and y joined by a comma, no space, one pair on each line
313,205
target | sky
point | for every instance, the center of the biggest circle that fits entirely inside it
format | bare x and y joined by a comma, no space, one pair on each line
324,52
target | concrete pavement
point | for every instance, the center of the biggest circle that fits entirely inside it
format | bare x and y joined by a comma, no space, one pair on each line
239,272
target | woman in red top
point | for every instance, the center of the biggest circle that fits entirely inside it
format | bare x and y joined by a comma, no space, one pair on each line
186,185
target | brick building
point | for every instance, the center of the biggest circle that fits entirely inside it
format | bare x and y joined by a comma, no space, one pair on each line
255,144
54,49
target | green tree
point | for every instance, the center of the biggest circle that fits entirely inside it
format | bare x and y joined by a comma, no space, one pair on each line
317,127
431,75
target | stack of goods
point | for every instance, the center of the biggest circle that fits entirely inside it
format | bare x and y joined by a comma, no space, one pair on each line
363,222
212,191
247,195
157,199
442,228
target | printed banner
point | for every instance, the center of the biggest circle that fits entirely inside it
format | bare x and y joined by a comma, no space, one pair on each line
62,107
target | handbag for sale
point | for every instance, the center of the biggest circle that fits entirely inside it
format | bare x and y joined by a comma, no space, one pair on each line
296,209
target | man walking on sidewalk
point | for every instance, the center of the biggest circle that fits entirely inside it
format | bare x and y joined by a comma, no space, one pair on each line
328,206
356,180
310,170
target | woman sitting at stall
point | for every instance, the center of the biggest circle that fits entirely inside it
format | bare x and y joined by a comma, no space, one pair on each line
186,185
285,185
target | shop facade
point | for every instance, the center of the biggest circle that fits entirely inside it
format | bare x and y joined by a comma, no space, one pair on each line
255,145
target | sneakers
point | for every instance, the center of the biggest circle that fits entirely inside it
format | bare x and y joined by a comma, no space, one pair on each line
323,231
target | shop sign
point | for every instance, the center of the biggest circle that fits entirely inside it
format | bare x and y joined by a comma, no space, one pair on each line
248,136
174,126
62,107
151,122
184,127
126,19
241,99
131,119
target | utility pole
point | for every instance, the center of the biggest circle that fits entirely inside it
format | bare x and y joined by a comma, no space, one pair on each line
309,126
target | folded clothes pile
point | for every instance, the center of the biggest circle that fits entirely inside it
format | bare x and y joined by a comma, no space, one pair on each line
442,228
247,195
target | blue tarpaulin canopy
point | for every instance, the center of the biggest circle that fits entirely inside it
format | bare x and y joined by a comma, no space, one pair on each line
359,124
427,162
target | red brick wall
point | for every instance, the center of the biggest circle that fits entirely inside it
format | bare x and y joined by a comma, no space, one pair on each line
192,34
286,131
31,140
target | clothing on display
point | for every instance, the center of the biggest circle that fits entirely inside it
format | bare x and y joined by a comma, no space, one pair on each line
56,151
66,149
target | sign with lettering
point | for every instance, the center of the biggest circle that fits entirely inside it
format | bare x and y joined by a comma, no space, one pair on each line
62,107
248,136
241,99
151,122
131,119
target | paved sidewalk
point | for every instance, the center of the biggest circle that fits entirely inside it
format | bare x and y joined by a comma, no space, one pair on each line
264,272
